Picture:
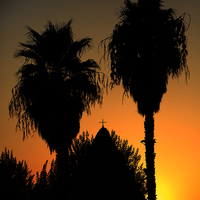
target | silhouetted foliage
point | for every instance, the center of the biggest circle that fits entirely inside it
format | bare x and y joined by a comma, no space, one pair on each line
78,150
46,181
147,46
54,86
132,160
16,181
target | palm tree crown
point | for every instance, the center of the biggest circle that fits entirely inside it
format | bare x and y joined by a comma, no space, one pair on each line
146,47
54,86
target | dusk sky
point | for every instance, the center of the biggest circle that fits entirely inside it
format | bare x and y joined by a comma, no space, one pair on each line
177,124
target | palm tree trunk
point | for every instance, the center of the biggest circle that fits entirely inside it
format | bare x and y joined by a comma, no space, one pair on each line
62,174
150,155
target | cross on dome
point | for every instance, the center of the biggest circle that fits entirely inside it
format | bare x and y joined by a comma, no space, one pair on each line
102,122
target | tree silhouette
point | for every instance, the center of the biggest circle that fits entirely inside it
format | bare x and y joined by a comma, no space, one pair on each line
42,189
16,181
147,46
55,87
132,159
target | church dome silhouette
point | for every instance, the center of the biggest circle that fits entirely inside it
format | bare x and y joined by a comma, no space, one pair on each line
102,138
103,174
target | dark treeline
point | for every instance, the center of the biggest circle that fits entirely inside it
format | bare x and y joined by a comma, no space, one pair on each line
16,180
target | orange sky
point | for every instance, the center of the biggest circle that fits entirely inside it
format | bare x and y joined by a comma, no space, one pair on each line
176,125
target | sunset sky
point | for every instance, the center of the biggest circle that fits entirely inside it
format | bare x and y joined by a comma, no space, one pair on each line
177,124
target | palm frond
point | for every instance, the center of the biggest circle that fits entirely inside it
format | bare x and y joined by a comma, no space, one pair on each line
146,47
33,36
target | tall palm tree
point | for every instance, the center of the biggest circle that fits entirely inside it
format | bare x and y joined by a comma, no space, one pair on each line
147,46
54,87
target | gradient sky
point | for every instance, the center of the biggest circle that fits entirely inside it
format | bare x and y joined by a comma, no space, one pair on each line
177,123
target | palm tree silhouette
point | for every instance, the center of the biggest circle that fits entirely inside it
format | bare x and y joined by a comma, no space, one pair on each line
147,46
55,87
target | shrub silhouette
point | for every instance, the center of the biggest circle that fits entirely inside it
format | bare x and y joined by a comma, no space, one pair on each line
46,181
16,181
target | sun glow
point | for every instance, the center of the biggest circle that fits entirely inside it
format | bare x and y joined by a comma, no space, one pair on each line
164,190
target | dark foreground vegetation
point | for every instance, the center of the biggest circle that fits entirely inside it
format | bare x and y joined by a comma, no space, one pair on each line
16,180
